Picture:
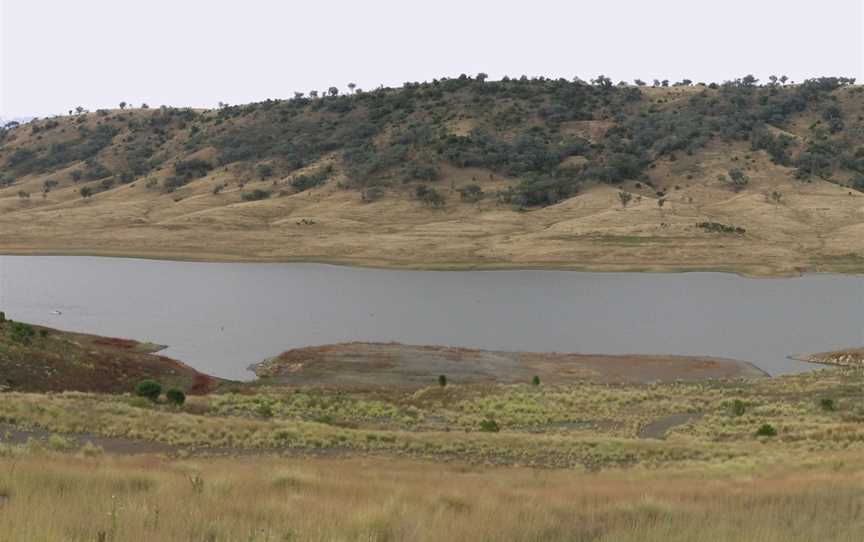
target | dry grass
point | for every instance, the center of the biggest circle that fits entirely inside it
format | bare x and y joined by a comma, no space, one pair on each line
50,497
817,226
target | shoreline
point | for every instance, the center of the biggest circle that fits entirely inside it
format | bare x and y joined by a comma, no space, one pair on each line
755,272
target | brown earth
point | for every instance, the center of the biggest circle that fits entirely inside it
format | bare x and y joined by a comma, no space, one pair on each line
57,360
394,365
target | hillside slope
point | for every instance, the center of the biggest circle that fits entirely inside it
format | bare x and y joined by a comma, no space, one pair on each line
457,173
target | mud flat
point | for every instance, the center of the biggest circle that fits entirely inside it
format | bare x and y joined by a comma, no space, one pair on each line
360,365
850,357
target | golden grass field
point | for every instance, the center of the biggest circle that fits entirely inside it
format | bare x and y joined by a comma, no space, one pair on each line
45,496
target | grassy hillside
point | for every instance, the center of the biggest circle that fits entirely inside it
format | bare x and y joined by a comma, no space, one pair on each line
458,172
41,359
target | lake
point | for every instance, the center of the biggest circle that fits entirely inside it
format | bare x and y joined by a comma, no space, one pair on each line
220,317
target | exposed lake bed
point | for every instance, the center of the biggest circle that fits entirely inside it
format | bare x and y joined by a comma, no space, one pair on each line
221,317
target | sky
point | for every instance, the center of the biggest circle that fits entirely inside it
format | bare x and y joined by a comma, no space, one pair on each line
59,54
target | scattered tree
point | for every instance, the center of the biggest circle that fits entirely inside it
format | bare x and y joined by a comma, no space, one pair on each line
625,198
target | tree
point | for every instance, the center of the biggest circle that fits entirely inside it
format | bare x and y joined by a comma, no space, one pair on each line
313,93
625,198
481,77
122,105
79,110
351,87
86,191
442,380
333,91
149,389
145,106
264,171
738,178
639,82
298,95
535,381
783,79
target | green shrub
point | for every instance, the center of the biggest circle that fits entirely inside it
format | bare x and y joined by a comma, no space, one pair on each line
149,389
264,410
442,380
255,195
766,430
536,380
429,196
22,333
827,404
489,426
175,396
738,407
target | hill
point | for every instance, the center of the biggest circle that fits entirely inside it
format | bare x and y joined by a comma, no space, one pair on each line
460,172
41,359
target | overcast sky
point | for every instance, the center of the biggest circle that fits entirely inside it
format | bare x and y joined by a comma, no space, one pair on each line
58,54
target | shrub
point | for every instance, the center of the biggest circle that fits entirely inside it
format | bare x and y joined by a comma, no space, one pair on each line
373,193
22,333
264,410
305,182
175,396
255,195
149,389
472,192
2,317
429,196
738,178
766,430
190,169
489,426
536,380
827,404
738,407
442,381
264,171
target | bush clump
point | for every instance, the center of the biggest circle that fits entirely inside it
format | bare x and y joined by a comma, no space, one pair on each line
149,389
255,195
766,430
489,426
175,397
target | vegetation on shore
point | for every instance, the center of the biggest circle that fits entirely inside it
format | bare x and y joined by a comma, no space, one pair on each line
458,172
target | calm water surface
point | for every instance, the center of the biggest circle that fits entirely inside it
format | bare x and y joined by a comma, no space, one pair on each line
219,318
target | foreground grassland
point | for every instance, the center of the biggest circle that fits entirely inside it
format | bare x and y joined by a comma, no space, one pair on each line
768,459
48,497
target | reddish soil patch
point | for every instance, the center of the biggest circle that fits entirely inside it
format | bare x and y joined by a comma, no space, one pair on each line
394,365
61,361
